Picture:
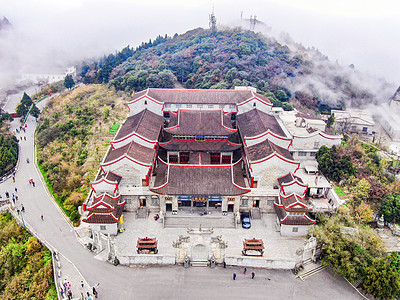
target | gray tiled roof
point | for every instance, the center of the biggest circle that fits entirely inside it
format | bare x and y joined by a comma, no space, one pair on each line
255,122
200,123
264,149
133,150
200,180
145,123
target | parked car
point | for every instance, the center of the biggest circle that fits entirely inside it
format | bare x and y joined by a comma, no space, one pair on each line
246,220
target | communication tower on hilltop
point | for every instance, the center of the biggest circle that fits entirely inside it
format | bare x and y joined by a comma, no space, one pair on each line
253,21
213,21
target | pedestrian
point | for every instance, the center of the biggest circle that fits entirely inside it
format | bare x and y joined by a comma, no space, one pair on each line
82,284
25,138
33,183
65,286
14,201
16,190
22,208
252,275
244,271
13,179
17,211
95,293
42,220
7,195
61,292
20,138
88,294
69,294
234,276
16,198
30,181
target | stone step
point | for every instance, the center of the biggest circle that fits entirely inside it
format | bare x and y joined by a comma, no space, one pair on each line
311,272
199,263
195,222
255,213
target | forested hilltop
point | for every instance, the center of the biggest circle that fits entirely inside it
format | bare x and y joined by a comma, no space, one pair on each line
201,59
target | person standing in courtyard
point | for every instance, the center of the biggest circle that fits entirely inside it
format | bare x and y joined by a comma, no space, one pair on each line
234,276
253,275
244,271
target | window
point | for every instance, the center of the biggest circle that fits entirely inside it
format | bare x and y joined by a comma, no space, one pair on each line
167,105
189,105
316,145
226,159
245,201
254,104
173,158
313,153
302,153
221,107
128,201
145,102
199,138
166,114
103,227
178,105
199,105
184,157
215,158
210,106
295,229
365,129
154,201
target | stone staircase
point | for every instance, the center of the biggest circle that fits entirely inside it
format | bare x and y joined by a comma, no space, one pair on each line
199,263
188,220
142,213
255,213
310,269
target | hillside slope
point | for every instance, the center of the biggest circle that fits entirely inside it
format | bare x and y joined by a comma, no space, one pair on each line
225,59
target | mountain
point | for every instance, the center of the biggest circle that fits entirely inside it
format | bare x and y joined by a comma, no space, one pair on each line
202,59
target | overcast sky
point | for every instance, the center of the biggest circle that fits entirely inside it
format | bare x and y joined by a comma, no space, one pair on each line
365,33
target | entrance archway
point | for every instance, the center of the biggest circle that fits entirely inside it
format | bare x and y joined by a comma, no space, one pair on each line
199,252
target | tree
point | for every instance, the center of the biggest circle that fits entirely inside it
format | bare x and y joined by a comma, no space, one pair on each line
382,278
361,191
68,82
330,121
281,96
391,208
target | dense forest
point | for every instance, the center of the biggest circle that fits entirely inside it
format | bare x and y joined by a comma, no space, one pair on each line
26,270
201,59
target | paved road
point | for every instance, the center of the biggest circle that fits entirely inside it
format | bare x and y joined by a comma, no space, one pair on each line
154,282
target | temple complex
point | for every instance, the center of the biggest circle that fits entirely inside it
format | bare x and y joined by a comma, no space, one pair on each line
225,151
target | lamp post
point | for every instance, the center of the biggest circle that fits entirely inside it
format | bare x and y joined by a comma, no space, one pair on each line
23,222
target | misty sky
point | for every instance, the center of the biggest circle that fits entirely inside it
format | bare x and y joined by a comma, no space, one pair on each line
50,32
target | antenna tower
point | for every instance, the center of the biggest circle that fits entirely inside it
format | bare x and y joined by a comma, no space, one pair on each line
213,21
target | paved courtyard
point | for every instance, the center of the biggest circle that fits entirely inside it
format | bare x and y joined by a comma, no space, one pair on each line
276,247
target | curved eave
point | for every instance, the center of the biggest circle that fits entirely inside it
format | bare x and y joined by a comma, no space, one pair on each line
274,154
268,132
254,97
318,132
121,158
112,183
133,134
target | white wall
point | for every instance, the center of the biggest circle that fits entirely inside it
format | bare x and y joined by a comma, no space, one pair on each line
247,106
129,170
287,230
139,105
308,143
111,229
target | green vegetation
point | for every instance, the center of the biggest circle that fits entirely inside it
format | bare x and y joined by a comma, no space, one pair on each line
8,151
25,265
70,141
68,82
26,105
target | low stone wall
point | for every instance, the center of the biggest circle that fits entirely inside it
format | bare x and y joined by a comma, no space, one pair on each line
261,262
395,228
146,259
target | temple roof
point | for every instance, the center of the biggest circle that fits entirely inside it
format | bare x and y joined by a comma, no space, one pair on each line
145,123
264,149
289,178
204,123
294,203
291,220
200,180
183,145
133,150
104,218
200,96
109,176
255,122
104,204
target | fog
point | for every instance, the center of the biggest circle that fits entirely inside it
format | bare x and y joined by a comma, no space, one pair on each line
48,35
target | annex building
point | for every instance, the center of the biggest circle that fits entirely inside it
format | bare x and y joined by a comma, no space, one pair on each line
228,151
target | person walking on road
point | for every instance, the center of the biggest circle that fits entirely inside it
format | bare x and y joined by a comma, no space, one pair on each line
16,190
253,275
13,179
244,271
234,276
41,217
33,183
22,208
7,195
